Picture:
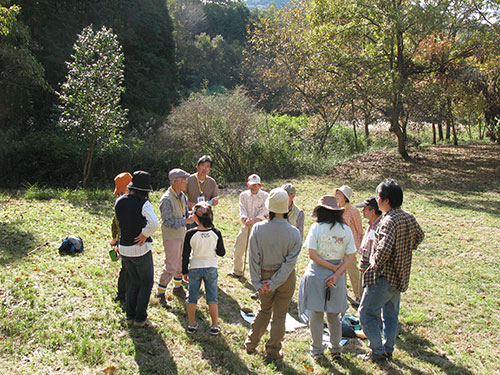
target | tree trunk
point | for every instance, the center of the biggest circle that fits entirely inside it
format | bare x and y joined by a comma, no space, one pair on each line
440,130
450,123
396,128
433,132
87,164
354,130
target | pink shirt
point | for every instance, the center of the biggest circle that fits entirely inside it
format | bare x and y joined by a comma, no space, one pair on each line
352,218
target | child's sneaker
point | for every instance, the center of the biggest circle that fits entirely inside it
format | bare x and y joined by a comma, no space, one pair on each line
192,328
214,330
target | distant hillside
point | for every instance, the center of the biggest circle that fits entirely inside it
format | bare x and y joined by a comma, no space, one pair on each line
261,4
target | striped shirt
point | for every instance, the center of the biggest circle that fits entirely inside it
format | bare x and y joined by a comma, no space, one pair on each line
395,239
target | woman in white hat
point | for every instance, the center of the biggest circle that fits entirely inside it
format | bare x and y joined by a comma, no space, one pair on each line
322,288
352,218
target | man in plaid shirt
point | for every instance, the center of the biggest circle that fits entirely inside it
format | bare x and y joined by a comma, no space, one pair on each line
388,274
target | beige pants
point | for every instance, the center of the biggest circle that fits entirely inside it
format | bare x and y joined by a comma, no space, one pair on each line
240,248
354,276
273,304
173,261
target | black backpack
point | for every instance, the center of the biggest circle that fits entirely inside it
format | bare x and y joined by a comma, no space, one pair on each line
71,245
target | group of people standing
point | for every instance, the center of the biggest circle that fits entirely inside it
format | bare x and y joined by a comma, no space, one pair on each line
271,233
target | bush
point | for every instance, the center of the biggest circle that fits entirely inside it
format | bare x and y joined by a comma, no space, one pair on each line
224,126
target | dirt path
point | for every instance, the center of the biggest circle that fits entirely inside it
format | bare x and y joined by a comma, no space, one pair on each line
466,168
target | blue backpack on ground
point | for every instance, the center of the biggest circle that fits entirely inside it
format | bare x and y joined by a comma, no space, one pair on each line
71,245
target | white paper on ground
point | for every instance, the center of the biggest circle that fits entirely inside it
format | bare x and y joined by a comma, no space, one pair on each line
326,339
291,324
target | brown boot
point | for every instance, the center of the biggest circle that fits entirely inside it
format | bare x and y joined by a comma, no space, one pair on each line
179,292
163,301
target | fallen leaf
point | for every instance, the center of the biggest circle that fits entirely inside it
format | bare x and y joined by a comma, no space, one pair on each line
18,278
51,271
483,297
35,269
309,367
489,323
109,370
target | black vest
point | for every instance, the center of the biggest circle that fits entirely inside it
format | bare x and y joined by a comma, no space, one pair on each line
128,209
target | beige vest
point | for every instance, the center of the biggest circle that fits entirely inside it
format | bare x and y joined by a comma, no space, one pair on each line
293,215
171,233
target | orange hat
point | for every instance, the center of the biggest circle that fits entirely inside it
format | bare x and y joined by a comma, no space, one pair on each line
121,182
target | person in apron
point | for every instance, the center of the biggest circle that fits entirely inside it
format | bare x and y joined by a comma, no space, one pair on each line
322,288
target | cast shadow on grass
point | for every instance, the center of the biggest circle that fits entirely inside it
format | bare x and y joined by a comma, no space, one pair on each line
15,243
215,349
420,348
151,354
471,204
229,308
218,354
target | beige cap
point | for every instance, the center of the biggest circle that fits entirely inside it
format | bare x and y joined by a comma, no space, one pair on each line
346,190
277,201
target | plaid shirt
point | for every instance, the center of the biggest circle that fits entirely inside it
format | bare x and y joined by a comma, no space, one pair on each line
395,239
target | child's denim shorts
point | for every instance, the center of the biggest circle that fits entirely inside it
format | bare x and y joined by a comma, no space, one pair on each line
209,276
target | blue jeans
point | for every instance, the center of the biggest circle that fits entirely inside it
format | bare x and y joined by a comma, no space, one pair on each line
209,276
376,297
140,273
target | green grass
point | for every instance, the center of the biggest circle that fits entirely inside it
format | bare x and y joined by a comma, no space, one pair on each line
57,314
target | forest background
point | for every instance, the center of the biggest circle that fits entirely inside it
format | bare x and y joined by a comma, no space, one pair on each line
276,91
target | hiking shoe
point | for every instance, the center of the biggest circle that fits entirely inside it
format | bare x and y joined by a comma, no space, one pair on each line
214,330
163,301
235,275
192,328
336,356
179,292
130,321
249,349
274,357
371,356
254,296
388,356
145,324
316,355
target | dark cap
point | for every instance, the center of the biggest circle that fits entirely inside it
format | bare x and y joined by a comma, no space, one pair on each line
370,201
141,180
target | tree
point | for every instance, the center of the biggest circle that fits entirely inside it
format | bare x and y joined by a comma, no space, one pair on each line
145,31
286,73
366,51
90,97
20,72
7,18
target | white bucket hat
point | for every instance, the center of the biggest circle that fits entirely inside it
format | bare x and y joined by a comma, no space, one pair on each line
277,201
346,190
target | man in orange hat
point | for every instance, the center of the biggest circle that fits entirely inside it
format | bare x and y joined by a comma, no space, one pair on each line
121,182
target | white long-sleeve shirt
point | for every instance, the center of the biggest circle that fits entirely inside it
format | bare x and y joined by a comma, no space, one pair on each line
252,206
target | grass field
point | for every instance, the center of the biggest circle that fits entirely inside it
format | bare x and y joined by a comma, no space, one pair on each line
57,314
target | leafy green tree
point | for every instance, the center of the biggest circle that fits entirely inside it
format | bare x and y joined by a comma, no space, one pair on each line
287,74
144,29
7,18
21,75
362,51
90,97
